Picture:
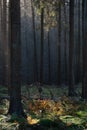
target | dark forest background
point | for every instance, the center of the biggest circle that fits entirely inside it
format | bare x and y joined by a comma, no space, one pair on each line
55,66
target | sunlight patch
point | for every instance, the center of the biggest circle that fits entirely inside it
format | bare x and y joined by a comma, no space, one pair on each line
32,121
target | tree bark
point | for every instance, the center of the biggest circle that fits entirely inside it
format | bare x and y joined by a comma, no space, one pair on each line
59,46
35,50
41,49
15,59
4,42
65,48
49,65
78,75
84,29
71,91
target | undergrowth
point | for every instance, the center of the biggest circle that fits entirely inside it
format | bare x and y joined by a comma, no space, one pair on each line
46,113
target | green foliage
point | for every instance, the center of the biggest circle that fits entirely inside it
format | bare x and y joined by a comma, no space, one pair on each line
52,123
50,11
82,113
15,118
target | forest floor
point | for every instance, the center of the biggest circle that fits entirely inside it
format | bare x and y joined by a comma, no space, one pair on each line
47,108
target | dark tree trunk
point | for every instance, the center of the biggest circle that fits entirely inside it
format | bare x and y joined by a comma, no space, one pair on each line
49,65
4,45
26,41
35,51
78,77
65,48
41,49
59,46
0,47
1,44
15,59
84,31
71,50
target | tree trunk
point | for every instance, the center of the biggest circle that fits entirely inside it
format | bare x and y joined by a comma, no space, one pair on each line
71,50
49,66
3,40
35,51
59,46
65,48
26,41
78,77
15,59
41,49
84,31
1,44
